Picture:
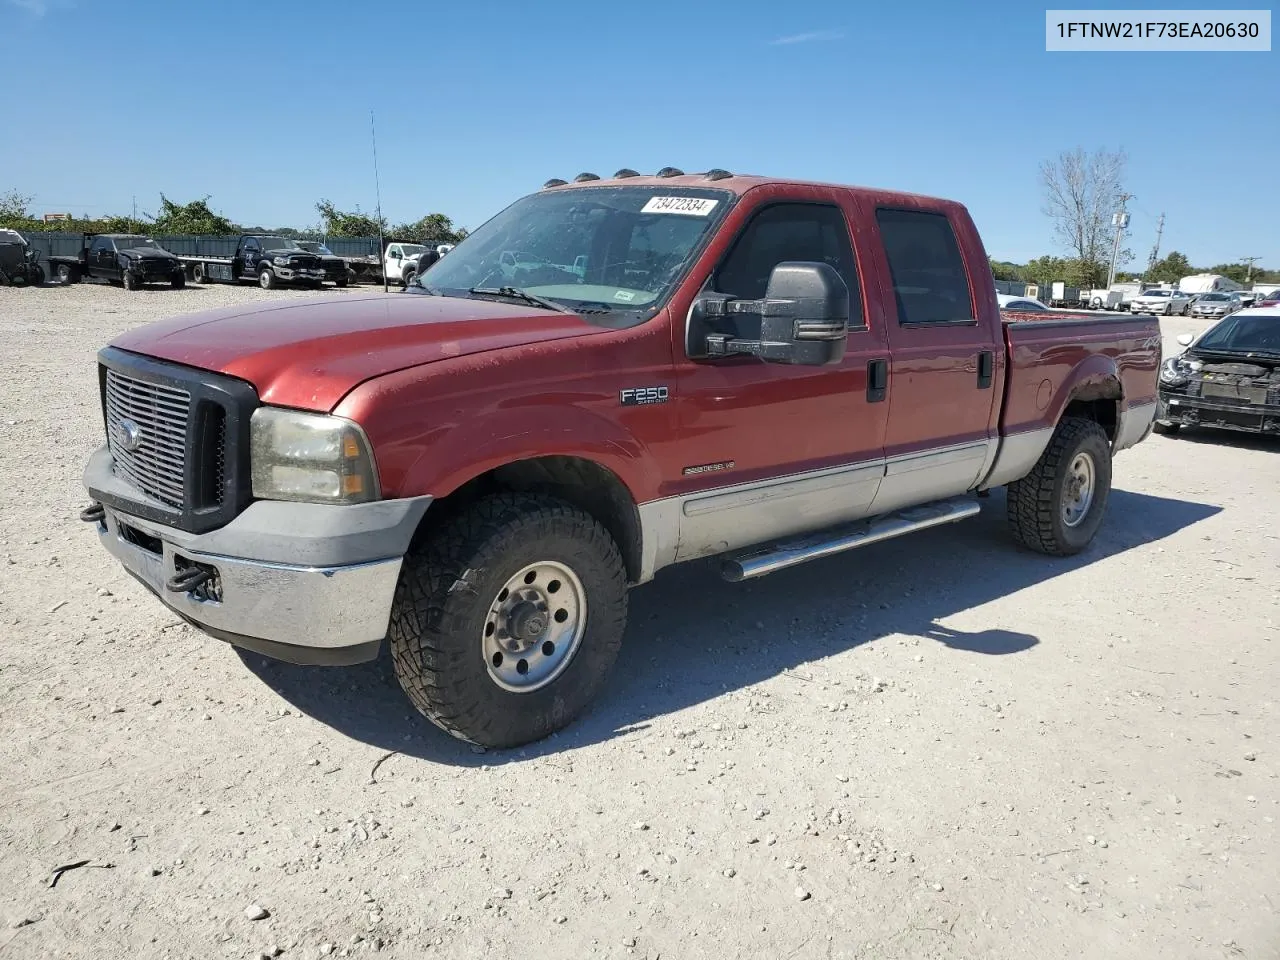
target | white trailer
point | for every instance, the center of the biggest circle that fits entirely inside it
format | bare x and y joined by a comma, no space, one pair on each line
1208,283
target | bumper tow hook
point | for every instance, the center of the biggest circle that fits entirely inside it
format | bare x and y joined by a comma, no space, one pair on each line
94,513
187,580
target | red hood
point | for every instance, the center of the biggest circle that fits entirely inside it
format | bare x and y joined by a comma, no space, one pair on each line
310,353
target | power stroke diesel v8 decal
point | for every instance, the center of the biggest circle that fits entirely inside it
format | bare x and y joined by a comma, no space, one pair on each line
638,396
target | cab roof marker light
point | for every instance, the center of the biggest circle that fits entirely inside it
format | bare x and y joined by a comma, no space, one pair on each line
584,177
716,173
624,173
670,172
554,182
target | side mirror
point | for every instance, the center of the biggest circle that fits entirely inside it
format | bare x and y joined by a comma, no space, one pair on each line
804,319
1185,339
395,255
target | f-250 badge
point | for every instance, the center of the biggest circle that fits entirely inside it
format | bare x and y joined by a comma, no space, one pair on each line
637,396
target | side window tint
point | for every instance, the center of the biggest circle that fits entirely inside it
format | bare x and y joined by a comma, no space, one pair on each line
929,279
808,232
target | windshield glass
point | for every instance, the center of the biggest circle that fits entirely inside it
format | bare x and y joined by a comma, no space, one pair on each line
1156,293
412,249
278,243
610,248
1240,333
1215,296
133,243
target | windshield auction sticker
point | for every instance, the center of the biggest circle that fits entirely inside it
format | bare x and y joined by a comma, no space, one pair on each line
1188,31
688,206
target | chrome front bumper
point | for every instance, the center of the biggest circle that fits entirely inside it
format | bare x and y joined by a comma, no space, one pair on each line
287,609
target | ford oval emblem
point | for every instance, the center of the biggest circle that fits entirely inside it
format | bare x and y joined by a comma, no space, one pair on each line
129,434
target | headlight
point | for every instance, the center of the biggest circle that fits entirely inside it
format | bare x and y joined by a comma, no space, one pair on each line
1173,372
310,457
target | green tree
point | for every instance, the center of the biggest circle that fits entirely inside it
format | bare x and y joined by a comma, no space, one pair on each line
1004,270
13,206
340,223
1234,271
1171,269
433,228
194,217
1044,270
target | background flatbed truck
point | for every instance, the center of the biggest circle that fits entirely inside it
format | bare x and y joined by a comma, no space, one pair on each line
270,261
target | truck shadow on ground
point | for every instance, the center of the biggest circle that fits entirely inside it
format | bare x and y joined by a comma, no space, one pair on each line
1227,438
692,636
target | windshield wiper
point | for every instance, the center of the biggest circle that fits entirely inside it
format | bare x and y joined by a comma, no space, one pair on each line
515,293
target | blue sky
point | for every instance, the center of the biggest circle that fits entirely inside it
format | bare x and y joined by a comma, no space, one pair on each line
266,108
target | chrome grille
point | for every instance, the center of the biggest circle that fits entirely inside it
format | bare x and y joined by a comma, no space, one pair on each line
157,463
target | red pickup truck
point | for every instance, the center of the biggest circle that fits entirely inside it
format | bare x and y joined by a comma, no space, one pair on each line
609,377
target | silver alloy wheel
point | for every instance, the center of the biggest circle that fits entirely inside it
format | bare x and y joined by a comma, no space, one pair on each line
1078,495
534,627
265,278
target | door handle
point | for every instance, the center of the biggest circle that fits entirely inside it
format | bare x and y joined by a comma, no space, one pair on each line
877,380
986,367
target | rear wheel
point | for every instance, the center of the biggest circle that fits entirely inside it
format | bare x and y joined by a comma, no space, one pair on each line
198,274
408,277
1057,508
267,279
67,273
507,620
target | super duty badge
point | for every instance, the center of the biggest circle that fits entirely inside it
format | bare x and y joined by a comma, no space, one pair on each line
636,396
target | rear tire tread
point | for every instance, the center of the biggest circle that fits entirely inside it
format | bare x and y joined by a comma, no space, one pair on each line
1032,502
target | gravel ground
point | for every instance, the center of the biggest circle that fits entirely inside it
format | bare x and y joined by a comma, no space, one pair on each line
935,747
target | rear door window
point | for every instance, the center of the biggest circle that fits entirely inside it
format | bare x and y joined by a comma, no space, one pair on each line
930,283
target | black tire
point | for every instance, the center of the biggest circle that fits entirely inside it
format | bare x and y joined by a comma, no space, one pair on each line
129,281
198,274
1038,503
442,612
37,276
1165,429
67,273
178,280
407,278
340,282
267,279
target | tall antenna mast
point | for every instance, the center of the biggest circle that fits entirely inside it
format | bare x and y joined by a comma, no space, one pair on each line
377,187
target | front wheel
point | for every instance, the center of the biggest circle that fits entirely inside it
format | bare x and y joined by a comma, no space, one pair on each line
507,620
178,280
130,281
407,279
37,276
1057,508
267,279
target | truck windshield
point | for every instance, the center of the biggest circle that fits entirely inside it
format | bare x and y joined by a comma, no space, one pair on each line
598,249
134,243
278,243
1244,334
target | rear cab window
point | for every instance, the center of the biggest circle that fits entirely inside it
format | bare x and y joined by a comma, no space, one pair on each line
930,282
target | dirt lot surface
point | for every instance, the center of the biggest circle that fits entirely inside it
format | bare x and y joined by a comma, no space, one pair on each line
936,747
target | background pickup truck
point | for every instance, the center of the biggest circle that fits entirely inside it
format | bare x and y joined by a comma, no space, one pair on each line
130,260
672,367
269,260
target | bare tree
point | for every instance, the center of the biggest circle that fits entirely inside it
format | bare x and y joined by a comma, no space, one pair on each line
1082,191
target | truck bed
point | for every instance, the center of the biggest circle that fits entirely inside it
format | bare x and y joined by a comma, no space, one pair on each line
1055,355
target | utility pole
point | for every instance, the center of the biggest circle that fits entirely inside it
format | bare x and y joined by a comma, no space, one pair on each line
377,186
1250,261
135,208
1155,250
1119,220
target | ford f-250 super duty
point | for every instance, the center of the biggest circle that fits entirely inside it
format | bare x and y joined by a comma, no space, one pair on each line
608,377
